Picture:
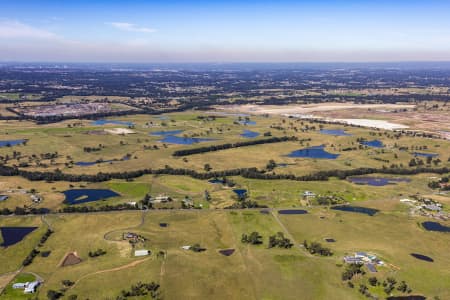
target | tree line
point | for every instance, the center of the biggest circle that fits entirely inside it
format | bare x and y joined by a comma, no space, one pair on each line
253,173
213,148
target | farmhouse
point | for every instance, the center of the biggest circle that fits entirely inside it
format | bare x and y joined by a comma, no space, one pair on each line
29,287
308,194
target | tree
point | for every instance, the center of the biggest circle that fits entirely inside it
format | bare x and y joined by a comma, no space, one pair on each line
373,281
351,270
54,295
207,167
253,238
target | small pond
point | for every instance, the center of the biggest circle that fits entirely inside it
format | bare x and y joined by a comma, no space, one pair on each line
10,143
292,212
13,235
173,139
249,134
425,154
422,257
112,122
313,152
226,252
435,226
240,192
78,196
91,163
356,209
216,181
330,240
163,225
167,132
376,181
374,144
336,132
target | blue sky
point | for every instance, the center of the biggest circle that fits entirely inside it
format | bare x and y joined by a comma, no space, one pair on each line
224,31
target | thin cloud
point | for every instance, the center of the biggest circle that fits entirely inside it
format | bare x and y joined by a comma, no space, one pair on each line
10,29
131,27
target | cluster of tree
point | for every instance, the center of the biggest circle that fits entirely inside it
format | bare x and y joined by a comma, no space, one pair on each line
329,199
213,148
150,290
317,248
54,295
20,211
253,238
67,283
442,183
89,209
98,252
254,173
351,270
245,204
29,259
44,238
92,149
278,240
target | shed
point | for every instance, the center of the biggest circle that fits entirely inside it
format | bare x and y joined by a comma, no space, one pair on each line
141,252
31,287
20,285
372,268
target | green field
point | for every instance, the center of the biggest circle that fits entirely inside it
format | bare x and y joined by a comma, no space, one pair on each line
255,272
252,271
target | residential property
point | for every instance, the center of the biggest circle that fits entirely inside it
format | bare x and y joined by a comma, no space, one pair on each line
36,198
28,287
308,194
367,259
3,198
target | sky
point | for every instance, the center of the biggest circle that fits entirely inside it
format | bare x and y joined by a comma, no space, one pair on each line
224,31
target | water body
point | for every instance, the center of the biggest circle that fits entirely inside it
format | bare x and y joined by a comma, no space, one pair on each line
376,181
337,132
374,144
10,143
422,257
168,132
249,134
13,235
163,224
240,192
356,209
425,154
216,181
113,122
173,139
78,196
292,212
226,252
435,226
91,163
330,240
313,152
